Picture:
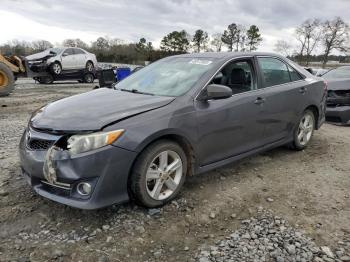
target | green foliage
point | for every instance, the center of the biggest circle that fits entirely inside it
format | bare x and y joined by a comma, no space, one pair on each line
176,41
200,40
253,38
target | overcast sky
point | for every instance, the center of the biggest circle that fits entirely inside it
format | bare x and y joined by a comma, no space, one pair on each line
152,19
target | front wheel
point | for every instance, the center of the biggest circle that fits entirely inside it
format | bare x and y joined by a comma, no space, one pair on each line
56,68
158,174
304,131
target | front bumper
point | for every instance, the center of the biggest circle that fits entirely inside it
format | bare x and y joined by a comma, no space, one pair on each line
338,114
107,169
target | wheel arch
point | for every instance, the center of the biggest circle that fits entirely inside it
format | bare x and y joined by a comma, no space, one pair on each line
314,109
180,139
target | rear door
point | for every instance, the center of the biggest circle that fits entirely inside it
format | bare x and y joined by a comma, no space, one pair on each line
231,126
80,58
68,59
285,97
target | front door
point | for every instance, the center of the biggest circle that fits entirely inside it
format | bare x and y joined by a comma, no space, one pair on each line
231,126
68,59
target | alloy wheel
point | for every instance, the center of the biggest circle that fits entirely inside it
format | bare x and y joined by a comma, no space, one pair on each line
306,128
89,66
56,69
164,175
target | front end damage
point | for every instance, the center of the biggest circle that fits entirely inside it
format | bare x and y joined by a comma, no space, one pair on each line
338,106
88,180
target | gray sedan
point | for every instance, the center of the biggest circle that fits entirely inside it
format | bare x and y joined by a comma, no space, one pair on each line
180,116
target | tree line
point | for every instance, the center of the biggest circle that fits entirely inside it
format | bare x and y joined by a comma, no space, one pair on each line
236,38
328,35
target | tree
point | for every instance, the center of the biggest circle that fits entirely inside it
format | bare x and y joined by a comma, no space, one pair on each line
253,38
200,40
232,36
145,48
68,42
101,43
283,47
216,42
176,41
41,45
308,34
335,34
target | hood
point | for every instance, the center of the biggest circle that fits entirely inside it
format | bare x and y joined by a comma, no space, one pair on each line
93,110
338,84
41,55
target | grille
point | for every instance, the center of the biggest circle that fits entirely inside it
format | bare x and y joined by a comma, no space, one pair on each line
40,144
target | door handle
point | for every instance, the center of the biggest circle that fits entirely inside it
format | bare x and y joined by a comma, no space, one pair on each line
259,101
302,90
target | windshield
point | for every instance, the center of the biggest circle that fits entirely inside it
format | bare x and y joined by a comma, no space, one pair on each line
341,72
170,77
56,50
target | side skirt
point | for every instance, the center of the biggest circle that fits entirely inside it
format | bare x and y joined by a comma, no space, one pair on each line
221,163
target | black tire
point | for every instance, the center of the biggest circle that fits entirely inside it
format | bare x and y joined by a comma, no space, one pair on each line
7,80
88,78
89,66
137,181
296,144
56,68
46,80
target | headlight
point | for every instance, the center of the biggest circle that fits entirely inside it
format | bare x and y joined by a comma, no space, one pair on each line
83,143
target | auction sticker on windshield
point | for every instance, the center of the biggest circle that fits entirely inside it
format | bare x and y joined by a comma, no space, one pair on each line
200,62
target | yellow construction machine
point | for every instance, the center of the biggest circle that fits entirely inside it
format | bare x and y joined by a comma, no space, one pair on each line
10,68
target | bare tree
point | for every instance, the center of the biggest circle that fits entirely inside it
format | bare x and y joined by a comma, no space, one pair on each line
216,42
335,34
283,47
308,34
41,45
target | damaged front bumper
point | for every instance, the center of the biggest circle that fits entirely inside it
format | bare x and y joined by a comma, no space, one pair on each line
57,175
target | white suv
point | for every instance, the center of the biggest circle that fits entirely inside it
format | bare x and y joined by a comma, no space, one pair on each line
66,58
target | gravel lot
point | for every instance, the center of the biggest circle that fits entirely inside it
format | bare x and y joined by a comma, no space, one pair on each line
277,206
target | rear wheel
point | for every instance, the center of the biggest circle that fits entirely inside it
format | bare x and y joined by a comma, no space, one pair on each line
89,66
88,78
158,174
7,80
304,131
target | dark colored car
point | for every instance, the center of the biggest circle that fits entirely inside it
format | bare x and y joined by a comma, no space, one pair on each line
338,100
179,116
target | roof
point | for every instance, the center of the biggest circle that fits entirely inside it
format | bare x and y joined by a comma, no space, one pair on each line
223,55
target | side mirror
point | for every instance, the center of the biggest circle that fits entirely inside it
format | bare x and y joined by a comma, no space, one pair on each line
215,91
65,54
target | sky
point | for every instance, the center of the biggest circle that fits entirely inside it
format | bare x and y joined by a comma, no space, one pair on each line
130,20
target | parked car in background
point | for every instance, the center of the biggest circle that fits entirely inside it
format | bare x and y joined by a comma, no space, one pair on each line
57,60
338,99
179,116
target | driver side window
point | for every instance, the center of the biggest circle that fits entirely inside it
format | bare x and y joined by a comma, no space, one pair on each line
237,75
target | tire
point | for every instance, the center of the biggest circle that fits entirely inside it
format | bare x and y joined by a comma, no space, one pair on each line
303,132
143,183
89,66
7,80
46,80
56,68
88,78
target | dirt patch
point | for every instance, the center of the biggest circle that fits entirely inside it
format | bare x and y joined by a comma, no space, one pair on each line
309,189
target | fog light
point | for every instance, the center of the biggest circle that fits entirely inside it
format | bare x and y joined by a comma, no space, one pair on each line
84,188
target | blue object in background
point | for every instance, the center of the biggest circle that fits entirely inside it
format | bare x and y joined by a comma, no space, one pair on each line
121,73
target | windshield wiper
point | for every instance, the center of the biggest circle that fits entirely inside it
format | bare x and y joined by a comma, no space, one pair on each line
135,91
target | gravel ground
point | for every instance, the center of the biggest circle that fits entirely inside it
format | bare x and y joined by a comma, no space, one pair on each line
219,216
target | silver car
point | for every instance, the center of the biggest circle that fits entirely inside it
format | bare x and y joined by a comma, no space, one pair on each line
65,58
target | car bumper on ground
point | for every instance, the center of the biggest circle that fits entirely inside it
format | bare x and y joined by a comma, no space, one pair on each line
105,169
338,114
